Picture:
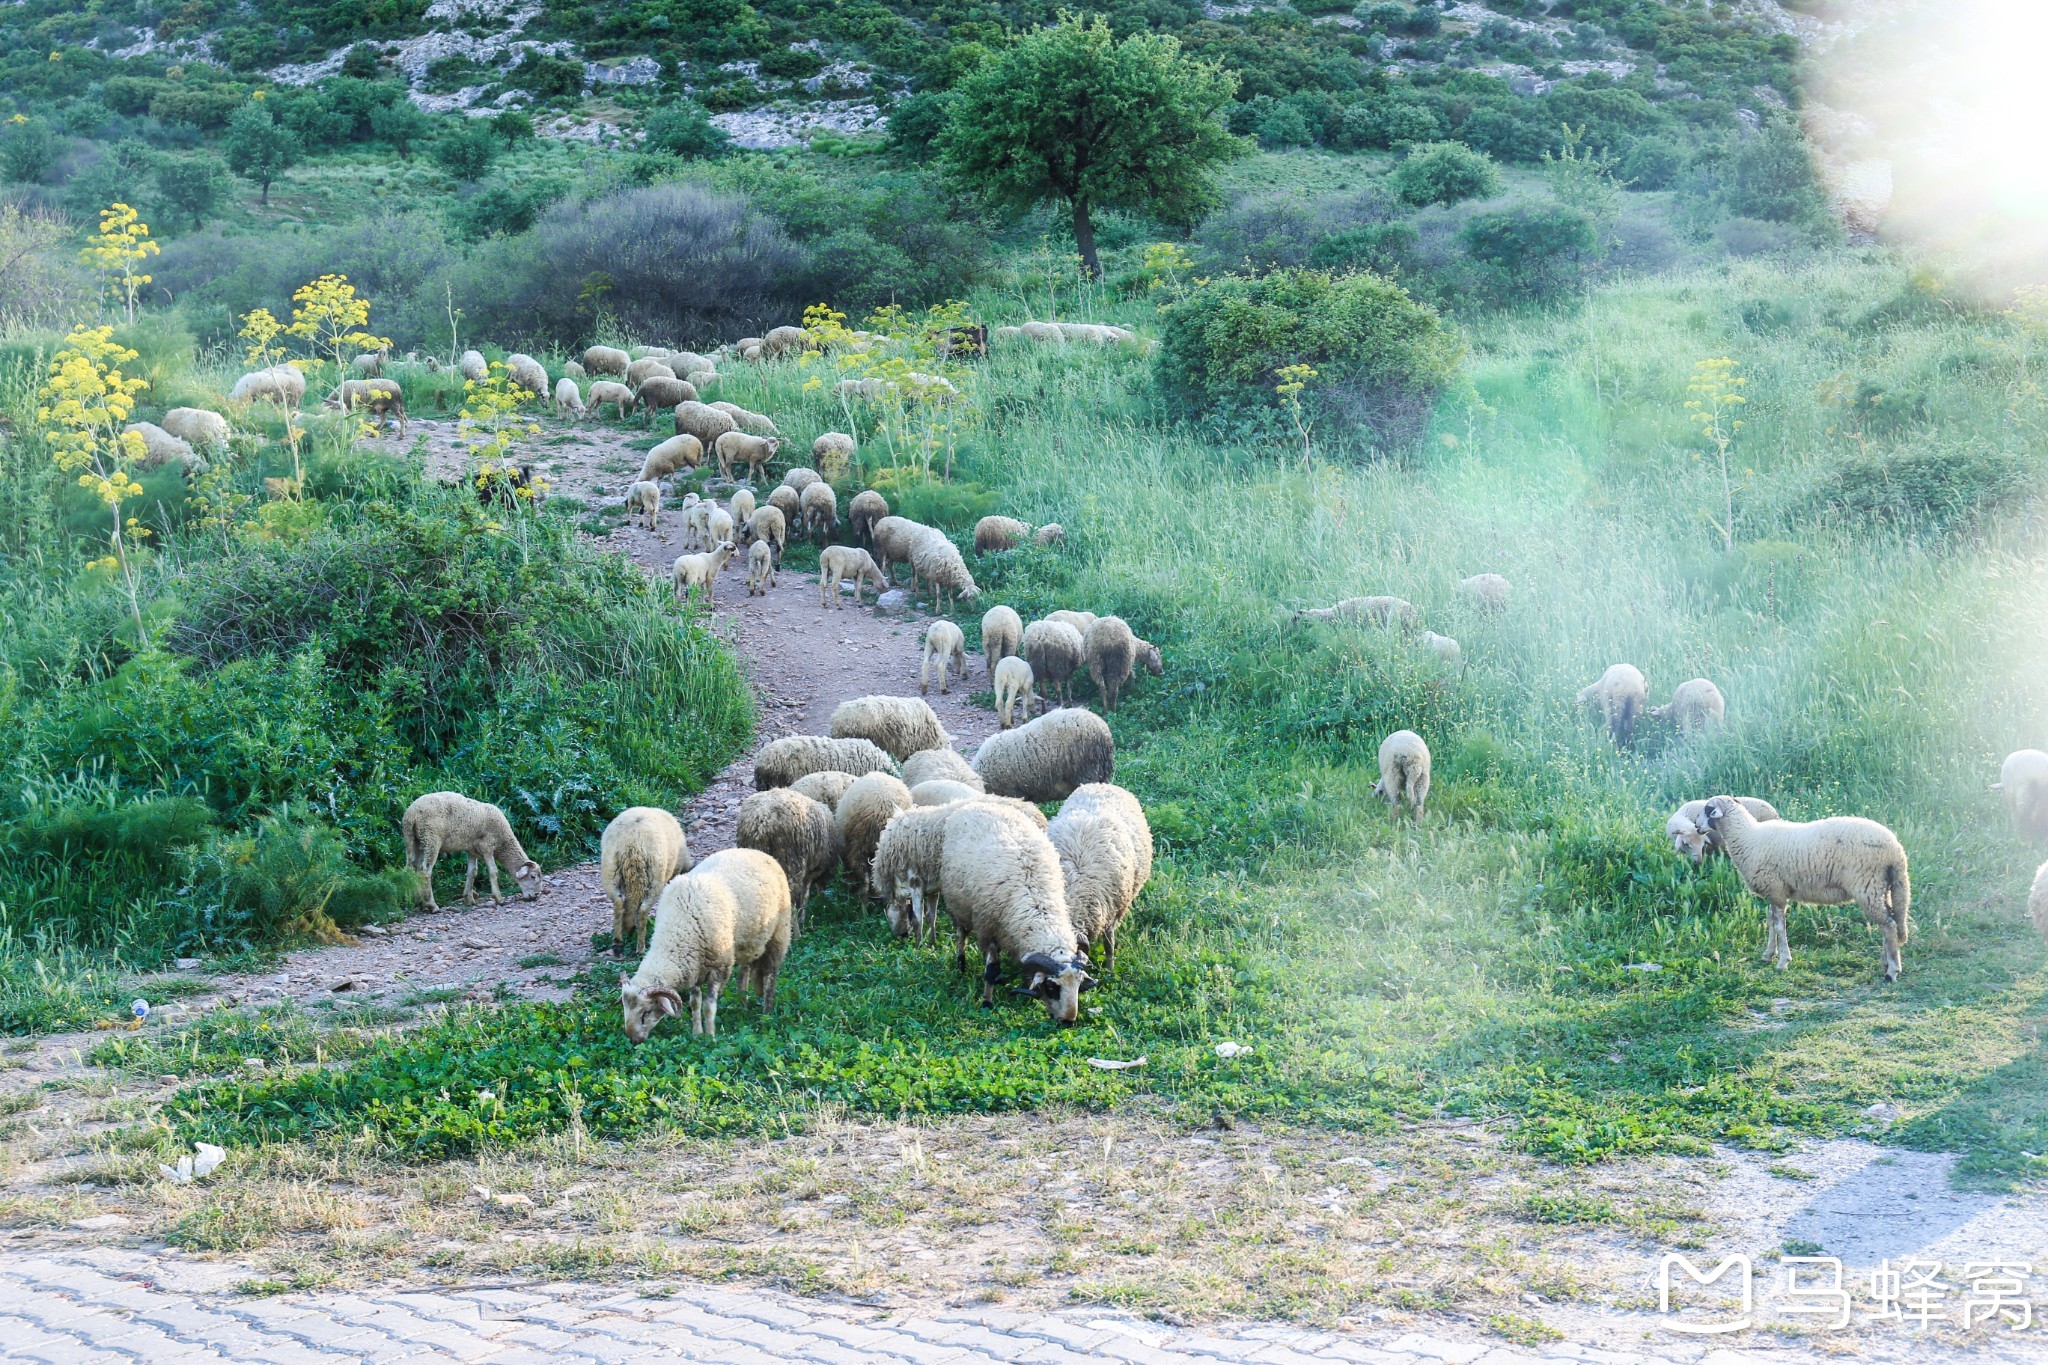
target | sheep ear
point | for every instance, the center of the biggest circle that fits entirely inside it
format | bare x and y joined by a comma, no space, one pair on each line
666,1000
1088,983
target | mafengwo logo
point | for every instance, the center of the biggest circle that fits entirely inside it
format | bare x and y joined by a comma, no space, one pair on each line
1706,1302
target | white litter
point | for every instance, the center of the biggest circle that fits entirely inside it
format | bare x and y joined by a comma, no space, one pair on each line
1228,1050
1105,1064
191,1168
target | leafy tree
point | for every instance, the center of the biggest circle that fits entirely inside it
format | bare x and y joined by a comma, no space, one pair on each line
191,185
684,130
1070,115
1285,126
514,126
258,149
360,62
1535,250
27,149
495,210
1652,163
1772,177
400,125
915,124
467,150
1444,173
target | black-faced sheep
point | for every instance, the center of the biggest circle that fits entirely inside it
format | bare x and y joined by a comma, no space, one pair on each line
900,726
785,760
1112,652
641,849
1045,759
1404,772
1000,877
730,913
797,832
449,822
1055,651
1002,633
864,809
944,646
1687,827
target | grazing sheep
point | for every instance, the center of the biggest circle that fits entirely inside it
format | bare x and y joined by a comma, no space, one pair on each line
867,508
658,395
644,496
1380,611
729,913
1013,690
904,870
847,389
369,365
936,763
1045,759
568,398
942,791
641,849
788,502
756,422
1052,533
797,833
945,645
1819,862
937,561
992,534
1001,880
753,451
705,423
1079,620
527,373
1054,650
901,726
1404,772
837,563
767,526
159,447
1111,652
2037,901
646,368
449,822
2023,783
760,569
1115,801
825,788
605,360
800,478
834,450
864,810
1443,646
1696,705
280,384
198,428
741,504
1487,591
785,760
472,366
610,391
782,341
890,538
1618,696
820,506
379,397
700,570
1002,632
1098,835
672,457
1690,836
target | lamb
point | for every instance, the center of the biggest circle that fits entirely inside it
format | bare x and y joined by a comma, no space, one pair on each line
820,506
449,822
767,527
197,427
606,360
2037,901
1618,696
705,423
1000,877
785,760
280,384
787,502
942,791
782,341
937,561
2023,782
1380,611
1696,705
730,913
753,451
864,810
380,397
646,368
472,366
1054,650
527,373
800,477
741,503
717,524
1486,591
672,457
700,570
658,394
1002,632
610,391
1443,646
867,508
946,646
697,524
159,448
900,726
1819,862
641,849
760,569
936,764
837,563
1105,848
834,450
797,832
1691,838
1404,772
1045,759
1111,652
568,398
1013,682
825,788
644,496
1052,533
992,534
758,423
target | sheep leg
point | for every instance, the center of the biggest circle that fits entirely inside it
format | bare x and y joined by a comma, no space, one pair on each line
960,950
1783,940
991,973
1109,949
696,1009
711,1009
430,856
469,880
491,866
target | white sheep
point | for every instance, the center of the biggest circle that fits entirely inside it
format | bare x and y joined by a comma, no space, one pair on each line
833,451
800,477
760,569
674,456
797,832
745,448
160,448
2037,901
573,369
942,791
994,534
1618,696
700,570
1404,772
640,371
1696,705
717,525
1002,633
568,398
1000,877
280,384
1050,534
937,561
1079,620
783,761
369,365
890,539
741,505
641,849
945,646
1379,611
904,871
768,527
840,563
697,524
756,422
820,508
644,496
867,508
2023,783
472,366
1687,827
782,341
1055,650
611,391
198,428
527,373
1013,691
786,501
379,397
449,822
1487,591
825,787
900,726
864,810
1112,652
729,913
1105,848
604,360
1443,646
936,763
658,394
705,423
1045,759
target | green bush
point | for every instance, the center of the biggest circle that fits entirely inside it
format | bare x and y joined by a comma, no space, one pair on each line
1444,173
466,150
684,130
1534,251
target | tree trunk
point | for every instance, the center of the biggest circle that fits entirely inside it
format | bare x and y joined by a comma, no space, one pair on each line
1084,238
264,198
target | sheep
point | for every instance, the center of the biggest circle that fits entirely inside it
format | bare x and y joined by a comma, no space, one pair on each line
939,763
568,398
2037,901
837,563
1050,534
785,760
760,569
369,365
1618,696
756,422
744,345
1486,591
1380,611
731,912
700,570
1112,651
820,507
197,427
797,832
527,373
1687,828
753,451
658,394
1045,759
864,809
644,496
380,397
610,391
572,369
867,508
825,787
1054,650
1819,862
942,791
1098,835
782,341
788,502
1002,631
1000,878
280,384
848,389
472,366
606,360
717,524
641,849
741,504
672,457
159,448
2023,783
904,870
1079,620
901,726
992,534
1696,705
800,477
890,538
1443,646
705,423
1404,772
449,822
684,362
646,368
834,450
946,646
937,561
1013,683
697,524
767,526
